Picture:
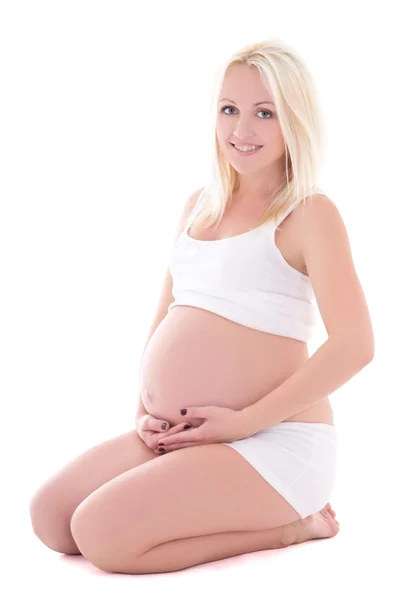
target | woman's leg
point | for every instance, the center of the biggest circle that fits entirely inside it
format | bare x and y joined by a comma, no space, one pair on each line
53,504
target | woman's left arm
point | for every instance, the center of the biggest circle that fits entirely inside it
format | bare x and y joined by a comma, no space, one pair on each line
332,365
343,308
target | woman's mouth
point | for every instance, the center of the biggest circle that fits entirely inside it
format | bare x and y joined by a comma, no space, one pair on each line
247,152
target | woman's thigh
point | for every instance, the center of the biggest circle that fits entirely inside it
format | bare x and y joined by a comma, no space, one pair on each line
54,503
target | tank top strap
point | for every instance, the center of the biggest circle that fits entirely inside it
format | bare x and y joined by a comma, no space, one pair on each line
285,214
187,226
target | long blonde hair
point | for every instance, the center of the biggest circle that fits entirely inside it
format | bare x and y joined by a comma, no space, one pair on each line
288,79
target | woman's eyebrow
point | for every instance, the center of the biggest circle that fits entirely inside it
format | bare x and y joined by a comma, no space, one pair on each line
256,104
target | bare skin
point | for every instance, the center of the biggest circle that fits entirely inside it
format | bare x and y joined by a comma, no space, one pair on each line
321,525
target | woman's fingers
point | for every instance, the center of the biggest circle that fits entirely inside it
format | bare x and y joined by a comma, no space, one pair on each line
174,430
177,447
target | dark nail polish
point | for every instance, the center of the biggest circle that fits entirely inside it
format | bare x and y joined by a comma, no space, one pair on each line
183,411
162,450
163,426
186,426
161,444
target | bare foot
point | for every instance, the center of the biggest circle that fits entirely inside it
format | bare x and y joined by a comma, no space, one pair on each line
321,525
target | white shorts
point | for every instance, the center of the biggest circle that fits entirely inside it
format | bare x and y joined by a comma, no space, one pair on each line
297,459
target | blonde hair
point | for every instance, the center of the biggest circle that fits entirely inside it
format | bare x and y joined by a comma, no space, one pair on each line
289,81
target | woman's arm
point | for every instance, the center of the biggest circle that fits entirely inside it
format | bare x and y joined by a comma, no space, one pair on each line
333,364
344,311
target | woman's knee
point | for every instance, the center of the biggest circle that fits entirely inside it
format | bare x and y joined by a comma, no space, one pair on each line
50,522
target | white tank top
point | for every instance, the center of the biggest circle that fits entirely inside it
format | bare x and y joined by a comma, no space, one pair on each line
245,279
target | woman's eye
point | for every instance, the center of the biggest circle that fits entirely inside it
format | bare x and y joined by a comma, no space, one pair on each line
264,111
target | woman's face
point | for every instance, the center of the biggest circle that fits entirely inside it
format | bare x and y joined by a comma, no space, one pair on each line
239,121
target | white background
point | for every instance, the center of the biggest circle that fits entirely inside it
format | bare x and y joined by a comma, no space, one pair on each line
104,122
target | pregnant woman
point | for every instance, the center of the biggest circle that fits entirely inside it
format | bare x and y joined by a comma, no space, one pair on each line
235,446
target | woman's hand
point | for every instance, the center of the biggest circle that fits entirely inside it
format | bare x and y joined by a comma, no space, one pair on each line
149,428
220,425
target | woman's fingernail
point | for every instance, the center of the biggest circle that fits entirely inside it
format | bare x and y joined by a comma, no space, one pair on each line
183,411
163,426
162,450
160,444
186,426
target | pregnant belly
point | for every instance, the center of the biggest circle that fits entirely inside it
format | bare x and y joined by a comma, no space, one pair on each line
196,357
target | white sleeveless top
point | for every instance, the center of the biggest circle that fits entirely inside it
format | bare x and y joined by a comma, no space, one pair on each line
245,279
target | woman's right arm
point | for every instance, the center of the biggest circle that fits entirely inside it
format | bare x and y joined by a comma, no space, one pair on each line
166,297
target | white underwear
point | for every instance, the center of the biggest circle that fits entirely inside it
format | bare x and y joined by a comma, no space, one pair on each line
297,459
